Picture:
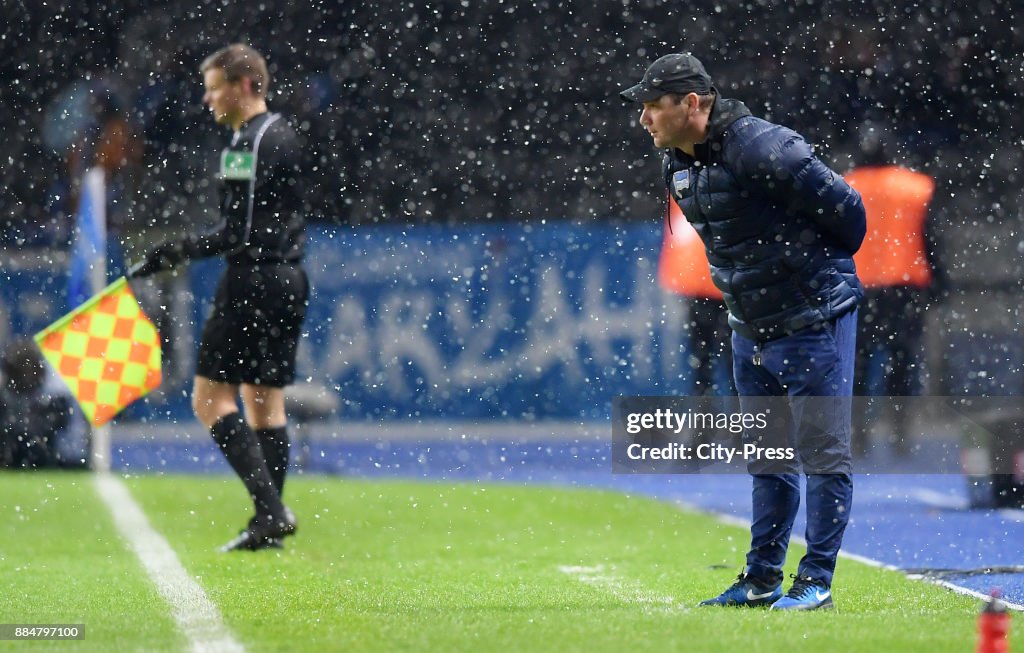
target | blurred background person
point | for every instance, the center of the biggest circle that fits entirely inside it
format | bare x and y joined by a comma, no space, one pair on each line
90,125
897,266
40,426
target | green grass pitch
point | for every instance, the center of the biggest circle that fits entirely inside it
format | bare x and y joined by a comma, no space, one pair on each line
417,566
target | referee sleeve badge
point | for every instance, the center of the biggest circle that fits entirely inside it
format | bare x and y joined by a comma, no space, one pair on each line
237,165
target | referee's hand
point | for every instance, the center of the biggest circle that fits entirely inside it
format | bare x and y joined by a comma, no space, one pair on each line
164,257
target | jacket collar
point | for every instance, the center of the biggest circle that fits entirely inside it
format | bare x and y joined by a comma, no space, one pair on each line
724,112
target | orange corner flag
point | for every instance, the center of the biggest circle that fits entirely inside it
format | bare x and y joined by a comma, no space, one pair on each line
106,350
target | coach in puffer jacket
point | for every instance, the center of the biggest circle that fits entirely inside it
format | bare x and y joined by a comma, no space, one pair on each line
779,226
780,229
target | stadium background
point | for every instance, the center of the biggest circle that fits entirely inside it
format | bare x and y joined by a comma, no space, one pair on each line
487,216
498,119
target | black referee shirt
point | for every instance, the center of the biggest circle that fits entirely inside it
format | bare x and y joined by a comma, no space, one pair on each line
262,193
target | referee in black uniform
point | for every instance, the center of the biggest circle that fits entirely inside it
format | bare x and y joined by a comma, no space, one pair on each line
249,340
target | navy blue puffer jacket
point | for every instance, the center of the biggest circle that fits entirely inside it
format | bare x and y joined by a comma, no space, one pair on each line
779,226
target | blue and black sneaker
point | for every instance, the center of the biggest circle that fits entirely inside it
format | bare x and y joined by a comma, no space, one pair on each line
750,592
806,594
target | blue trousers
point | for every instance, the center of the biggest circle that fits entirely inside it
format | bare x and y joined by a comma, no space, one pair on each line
815,362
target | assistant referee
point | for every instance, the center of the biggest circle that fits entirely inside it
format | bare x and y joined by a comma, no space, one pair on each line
250,337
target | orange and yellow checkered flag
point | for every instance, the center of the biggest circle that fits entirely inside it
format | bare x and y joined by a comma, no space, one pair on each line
106,350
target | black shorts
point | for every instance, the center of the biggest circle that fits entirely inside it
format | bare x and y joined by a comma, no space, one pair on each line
253,330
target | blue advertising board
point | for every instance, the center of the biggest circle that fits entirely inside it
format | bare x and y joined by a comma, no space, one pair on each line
516,320
31,294
521,321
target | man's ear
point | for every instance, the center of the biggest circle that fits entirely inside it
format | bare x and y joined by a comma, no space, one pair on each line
692,102
247,86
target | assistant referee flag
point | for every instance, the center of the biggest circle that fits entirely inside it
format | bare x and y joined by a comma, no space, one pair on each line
106,350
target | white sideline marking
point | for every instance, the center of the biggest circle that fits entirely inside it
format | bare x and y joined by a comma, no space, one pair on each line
621,588
197,618
1013,514
934,499
944,501
418,431
732,520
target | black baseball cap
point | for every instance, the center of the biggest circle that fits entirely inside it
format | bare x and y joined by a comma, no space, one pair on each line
673,73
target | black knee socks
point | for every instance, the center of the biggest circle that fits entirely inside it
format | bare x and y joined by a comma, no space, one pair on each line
275,446
242,449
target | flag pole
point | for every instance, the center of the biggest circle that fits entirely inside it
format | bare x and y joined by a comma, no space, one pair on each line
101,445
104,348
